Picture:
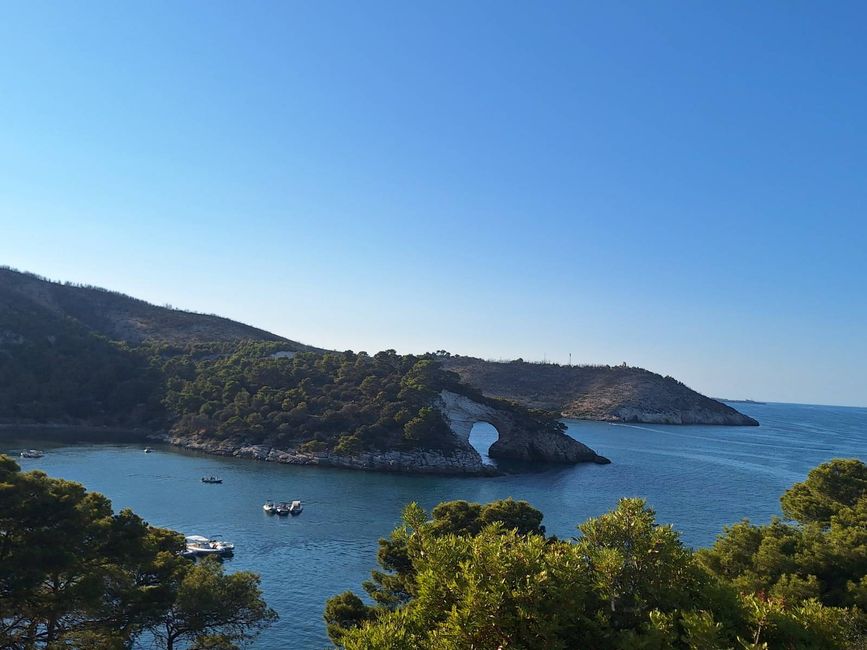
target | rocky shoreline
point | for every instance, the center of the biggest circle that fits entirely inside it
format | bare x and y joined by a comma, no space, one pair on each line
514,444
458,462
639,415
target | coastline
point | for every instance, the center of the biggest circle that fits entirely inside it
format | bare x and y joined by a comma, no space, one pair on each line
683,418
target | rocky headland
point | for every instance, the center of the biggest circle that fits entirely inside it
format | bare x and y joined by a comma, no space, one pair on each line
516,442
604,393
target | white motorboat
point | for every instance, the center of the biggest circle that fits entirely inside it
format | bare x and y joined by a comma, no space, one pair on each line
147,450
295,508
199,546
270,508
32,453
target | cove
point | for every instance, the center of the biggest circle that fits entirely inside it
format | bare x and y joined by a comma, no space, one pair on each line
699,478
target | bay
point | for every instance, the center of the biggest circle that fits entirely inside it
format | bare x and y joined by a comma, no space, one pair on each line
698,478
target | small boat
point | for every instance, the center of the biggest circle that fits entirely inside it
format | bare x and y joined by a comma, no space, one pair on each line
32,453
199,546
282,508
147,450
295,508
211,479
270,508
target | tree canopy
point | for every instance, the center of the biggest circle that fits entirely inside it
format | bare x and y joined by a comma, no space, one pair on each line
456,579
343,402
75,574
63,373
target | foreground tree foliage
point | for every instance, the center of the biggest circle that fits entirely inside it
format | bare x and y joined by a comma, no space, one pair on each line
75,575
212,608
819,555
460,579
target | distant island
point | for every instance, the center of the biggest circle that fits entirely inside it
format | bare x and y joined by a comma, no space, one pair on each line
79,356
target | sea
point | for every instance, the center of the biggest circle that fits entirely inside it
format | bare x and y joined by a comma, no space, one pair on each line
697,478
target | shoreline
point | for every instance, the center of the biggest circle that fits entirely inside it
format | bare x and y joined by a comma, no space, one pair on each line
425,462
456,462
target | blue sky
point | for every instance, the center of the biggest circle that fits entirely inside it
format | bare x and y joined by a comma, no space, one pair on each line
677,185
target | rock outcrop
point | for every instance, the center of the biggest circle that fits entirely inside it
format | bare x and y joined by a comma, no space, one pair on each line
515,441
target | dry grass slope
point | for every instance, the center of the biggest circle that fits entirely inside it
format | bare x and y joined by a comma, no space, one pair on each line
608,393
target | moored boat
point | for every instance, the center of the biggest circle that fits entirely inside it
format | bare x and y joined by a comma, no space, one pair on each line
282,508
270,508
32,453
199,546
211,479
295,508
147,450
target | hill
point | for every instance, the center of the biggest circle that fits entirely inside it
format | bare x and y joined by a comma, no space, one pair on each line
72,353
123,318
86,357
607,393
53,369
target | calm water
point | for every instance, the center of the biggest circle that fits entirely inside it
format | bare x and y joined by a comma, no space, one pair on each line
699,478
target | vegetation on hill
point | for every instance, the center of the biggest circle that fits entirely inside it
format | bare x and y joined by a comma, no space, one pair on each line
123,318
52,369
68,356
344,401
338,401
73,574
486,577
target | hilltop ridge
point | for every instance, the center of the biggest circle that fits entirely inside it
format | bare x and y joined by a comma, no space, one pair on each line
120,317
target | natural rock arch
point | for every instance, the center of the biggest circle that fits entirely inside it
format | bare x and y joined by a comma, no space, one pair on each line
514,441
483,435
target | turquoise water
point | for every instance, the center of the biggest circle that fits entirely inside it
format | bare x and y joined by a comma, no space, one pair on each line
698,478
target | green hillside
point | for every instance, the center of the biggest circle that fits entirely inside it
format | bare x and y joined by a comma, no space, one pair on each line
62,363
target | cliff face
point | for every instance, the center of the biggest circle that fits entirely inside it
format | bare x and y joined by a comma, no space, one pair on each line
612,394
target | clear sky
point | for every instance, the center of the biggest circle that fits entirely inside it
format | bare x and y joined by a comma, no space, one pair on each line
678,185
